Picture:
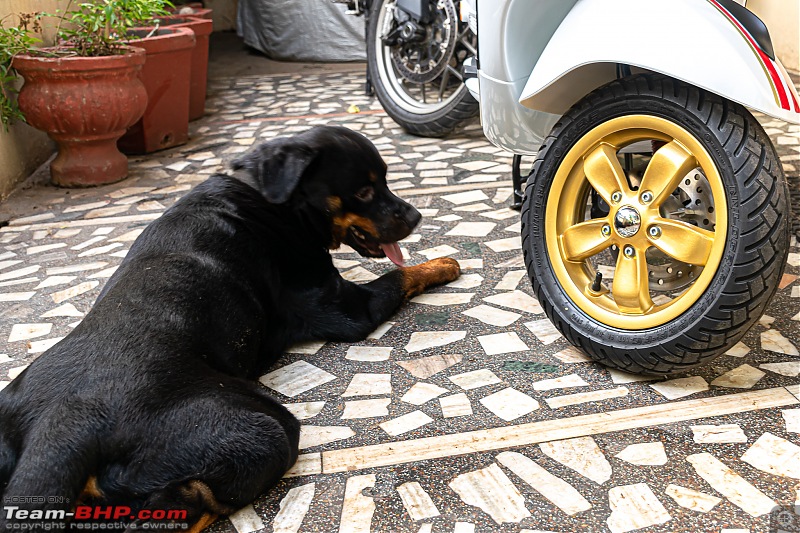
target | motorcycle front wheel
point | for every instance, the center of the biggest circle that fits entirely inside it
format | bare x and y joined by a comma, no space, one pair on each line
418,77
655,224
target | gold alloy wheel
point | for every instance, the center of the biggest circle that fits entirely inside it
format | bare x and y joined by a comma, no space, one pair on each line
638,223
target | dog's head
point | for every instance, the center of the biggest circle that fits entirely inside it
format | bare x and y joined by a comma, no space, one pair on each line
340,174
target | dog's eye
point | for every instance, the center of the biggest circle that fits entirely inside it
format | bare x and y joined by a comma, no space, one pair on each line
366,194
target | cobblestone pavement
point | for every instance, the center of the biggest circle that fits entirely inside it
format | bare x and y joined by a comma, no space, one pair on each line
468,411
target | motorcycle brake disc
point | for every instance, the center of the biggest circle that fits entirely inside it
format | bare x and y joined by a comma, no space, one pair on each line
423,60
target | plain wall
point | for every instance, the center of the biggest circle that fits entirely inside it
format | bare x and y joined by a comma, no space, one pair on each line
782,17
23,148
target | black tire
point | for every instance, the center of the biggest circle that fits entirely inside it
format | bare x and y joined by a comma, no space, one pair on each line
755,250
422,122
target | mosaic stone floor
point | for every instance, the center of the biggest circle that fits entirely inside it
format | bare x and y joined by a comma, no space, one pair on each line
468,411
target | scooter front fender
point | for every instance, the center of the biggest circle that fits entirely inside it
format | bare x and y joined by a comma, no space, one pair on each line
697,41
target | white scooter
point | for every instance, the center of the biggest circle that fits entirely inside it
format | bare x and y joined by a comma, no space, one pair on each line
655,221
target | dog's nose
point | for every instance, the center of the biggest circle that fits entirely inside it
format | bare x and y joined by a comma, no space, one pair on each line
408,214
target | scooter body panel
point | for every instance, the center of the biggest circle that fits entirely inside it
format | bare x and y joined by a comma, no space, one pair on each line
698,42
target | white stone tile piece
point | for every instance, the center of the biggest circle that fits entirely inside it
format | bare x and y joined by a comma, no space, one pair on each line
53,281
246,520
370,408
466,281
644,454
490,490
293,509
369,385
43,345
739,349
620,378
509,404
422,392
381,330
563,382
517,300
678,388
417,502
566,400
306,348
556,490
23,332
774,455
45,248
691,499
71,269
357,509
425,528
773,341
787,368
66,309
455,405
465,197
741,377
311,436
359,275
304,410
475,379
572,355
634,507
16,371
544,330
73,291
443,299
731,485
504,245
368,353
510,280
425,367
464,527
791,418
470,264
422,340
501,214
492,315
472,229
20,272
721,434
296,378
105,273
581,455
438,251
405,423
8,264
500,343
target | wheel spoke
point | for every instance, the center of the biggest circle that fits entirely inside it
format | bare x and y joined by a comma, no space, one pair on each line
630,288
584,240
684,242
604,172
668,166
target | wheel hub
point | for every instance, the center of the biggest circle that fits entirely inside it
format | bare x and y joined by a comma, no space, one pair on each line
627,221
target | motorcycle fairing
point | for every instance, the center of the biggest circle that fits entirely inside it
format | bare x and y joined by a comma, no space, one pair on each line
700,42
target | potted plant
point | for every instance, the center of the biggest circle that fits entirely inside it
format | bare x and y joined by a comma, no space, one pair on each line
167,79
85,91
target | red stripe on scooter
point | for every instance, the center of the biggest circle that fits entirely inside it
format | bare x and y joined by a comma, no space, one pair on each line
776,79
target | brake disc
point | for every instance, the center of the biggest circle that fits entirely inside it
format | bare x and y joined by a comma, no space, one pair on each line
692,203
422,61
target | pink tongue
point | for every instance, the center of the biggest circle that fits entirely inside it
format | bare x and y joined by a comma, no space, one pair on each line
392,251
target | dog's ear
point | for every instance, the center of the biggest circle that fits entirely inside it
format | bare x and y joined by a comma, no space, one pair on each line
276,166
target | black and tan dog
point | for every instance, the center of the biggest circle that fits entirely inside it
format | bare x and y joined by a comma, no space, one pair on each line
151,402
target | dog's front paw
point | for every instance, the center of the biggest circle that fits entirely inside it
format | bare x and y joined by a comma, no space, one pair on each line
429,274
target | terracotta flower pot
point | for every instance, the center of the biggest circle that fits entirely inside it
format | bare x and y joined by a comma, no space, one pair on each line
84,104
166,76
197,10
202,29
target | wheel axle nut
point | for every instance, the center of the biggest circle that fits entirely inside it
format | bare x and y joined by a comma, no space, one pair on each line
616,197
606,230
647,197
629,251
654,232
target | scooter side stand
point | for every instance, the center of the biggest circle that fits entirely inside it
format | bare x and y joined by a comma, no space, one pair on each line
518,183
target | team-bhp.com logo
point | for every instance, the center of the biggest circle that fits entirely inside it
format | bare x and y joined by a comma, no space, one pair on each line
93,517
